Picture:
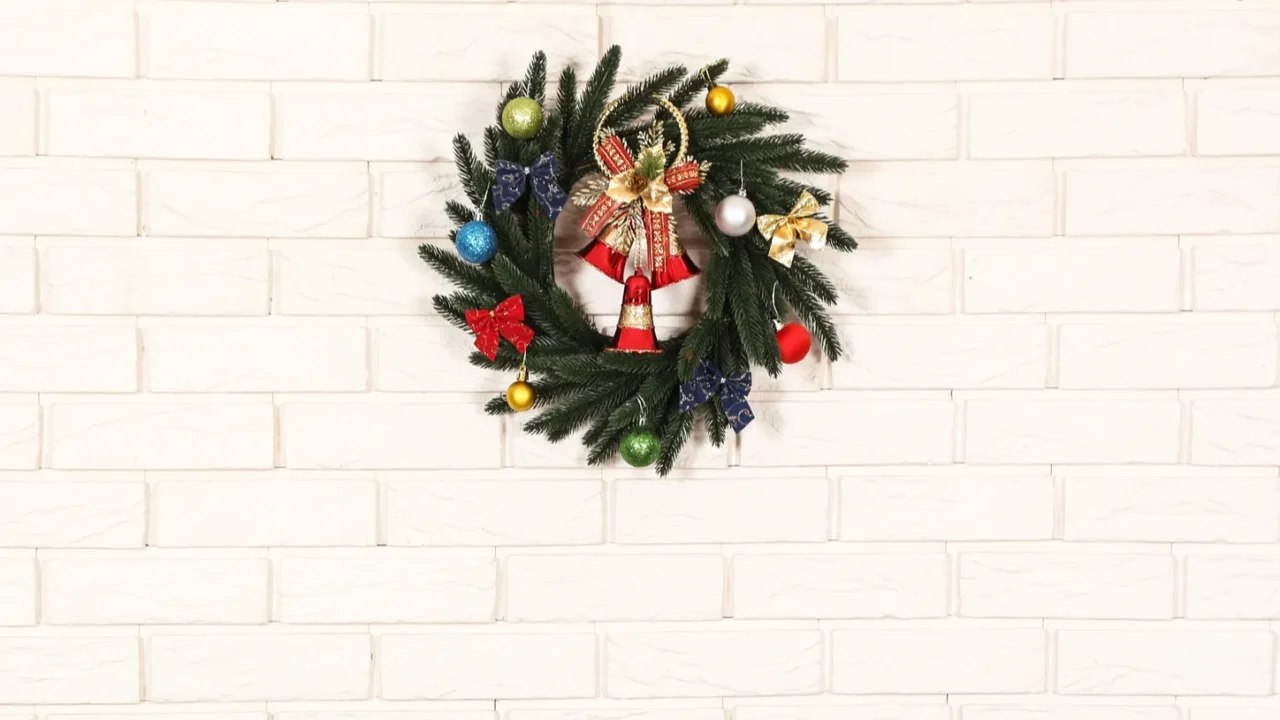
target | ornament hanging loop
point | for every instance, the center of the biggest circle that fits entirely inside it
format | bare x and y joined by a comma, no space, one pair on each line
742,181
664,102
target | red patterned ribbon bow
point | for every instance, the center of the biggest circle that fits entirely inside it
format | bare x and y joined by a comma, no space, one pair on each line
506,319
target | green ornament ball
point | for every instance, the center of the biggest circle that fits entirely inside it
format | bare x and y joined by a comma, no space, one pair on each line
640,448
522,118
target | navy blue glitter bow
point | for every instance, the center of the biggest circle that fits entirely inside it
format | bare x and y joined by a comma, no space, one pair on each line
511,182
707,381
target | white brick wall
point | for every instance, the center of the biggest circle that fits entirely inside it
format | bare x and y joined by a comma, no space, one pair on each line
244,472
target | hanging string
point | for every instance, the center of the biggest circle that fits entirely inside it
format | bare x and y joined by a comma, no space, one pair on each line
706,75
643,412
742,179
485,200
774,296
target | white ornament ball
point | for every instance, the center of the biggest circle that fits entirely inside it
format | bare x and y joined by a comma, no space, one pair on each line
735,216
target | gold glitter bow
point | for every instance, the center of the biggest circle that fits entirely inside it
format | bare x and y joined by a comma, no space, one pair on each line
785,230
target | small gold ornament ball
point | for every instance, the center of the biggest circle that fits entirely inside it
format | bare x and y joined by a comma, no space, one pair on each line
521,395
720,100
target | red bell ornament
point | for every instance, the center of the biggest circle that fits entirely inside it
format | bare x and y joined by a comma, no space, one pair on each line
794,342
635,322
634,200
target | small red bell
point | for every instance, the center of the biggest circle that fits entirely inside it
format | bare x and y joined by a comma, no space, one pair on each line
635,322
605,259
674,269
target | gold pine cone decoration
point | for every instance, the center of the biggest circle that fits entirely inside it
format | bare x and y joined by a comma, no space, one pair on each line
520,394
720,101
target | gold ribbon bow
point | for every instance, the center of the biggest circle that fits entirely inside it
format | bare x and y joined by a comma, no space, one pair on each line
629,185
785,230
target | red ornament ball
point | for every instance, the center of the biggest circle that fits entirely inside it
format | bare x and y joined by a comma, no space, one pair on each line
793,342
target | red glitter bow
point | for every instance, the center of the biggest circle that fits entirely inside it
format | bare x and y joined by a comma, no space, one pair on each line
507,319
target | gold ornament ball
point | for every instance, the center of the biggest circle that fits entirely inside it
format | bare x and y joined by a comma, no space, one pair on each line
720,100
522,118
521,395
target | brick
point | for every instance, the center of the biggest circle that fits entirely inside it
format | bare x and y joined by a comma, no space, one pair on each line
64,670
715,511
1069,585
411,200
938,660
17,591
1172,201
377,121
149,589
139,714
1165,662
68,38
19,435
589,588
854,711
257,357
944,43
1164,354
891,282
1235,432
279,666
1236,121
641,664
389,436
62,200
1166,42
341,279
195,40
663,36
1121,123
1070,712
386,587
441,42
374,714
947,201
1072,431
1172,509
264,513
158,121
288,203
1239,274
495,512
863,125
44,357
479,665
955,508
1233,587
400,349
161,435
1233,712
147,277
597,710
847,585
52,358
816,432
45,512
943,355
1047,277
17,117
17,279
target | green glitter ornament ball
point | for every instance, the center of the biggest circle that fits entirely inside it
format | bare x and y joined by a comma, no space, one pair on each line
522,118
640,448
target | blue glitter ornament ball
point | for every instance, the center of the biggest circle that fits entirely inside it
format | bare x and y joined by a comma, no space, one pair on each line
477,242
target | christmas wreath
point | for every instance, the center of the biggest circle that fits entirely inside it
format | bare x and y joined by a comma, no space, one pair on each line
626,161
